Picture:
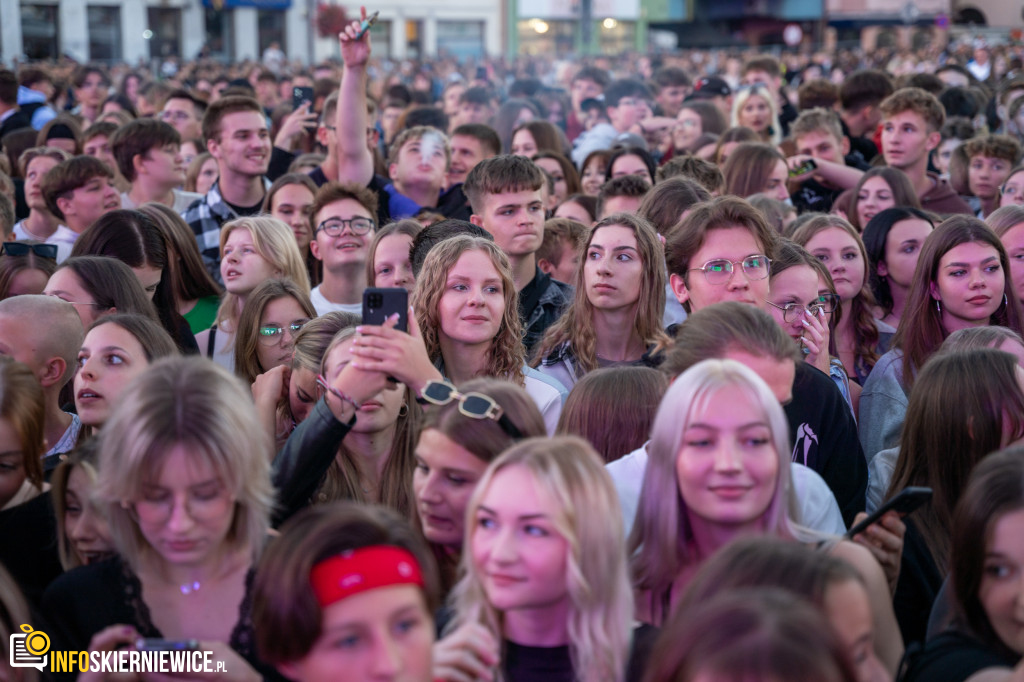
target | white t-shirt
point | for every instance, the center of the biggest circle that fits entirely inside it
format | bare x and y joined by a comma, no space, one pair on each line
64,237
818,507
549,395
323,306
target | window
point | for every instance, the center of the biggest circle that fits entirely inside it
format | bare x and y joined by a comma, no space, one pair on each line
271,29
165,23
40,39
461,39
219,34
104,33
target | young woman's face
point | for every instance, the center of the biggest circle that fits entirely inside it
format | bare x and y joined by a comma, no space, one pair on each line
689,126
593,176
1001,592
185,512
149,277
12,462
208,174
302,393
276,350
523,143
379,413
631,164
554,169
67,286
1012,190
969,285
445,477
515,547
944,154
797,286
109,359
874,196
573,211
473,302
613,271
391,264
1013,242
902,249
85,526
241,266
381,634
849,611
727,466
839,251
755,114
292,205
775,185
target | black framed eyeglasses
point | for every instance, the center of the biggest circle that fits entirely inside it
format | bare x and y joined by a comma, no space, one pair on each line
826,303
473,405
720,270
22,249
334,226
270,334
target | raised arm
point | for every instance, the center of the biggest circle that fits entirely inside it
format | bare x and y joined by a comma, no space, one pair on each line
355,163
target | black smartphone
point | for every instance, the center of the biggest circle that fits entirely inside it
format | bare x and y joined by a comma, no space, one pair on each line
301,94
367,23
805,167
381,303
154,644
907,501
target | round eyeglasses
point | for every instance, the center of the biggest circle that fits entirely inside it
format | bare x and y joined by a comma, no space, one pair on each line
720,270
334,226
791,312
271,334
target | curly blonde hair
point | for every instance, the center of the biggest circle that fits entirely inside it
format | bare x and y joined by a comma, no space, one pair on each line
576,325
507,353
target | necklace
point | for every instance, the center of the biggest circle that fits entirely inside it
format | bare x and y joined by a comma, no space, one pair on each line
189,588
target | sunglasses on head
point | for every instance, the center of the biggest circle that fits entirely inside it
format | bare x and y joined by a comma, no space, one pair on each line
22,249
472,405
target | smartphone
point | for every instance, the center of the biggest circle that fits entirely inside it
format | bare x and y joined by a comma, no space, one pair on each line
153,644
805,167
907,501
301,94
367,23
379,304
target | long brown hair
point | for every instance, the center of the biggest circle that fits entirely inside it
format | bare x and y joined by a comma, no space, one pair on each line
748,167
247,336
576,325
902,191
507,353
961,406
920,332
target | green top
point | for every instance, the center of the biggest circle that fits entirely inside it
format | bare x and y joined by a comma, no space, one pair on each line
203,314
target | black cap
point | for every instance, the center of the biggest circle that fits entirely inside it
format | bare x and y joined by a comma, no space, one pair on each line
710,86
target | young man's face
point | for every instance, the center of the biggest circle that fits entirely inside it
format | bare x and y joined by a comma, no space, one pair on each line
821,144
628,112
451,99
421,162
670,99
474,112
243,146
583,88
906,140
986,174
164,166
180,114
757,76
35,171
99,147
467,152
83,206
515,220
346,248
734,244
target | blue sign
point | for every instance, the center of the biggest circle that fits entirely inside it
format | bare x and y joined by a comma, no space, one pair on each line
258,4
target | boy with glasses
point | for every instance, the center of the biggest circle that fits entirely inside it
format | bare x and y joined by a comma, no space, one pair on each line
184,113
343,224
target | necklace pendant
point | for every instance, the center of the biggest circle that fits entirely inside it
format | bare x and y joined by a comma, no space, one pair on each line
189,588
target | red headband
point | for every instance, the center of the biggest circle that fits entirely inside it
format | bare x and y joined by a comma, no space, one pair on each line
359,570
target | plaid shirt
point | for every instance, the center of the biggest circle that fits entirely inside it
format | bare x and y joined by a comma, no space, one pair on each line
206,216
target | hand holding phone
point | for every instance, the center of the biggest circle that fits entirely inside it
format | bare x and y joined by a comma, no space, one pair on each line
301,94
803,169
904,503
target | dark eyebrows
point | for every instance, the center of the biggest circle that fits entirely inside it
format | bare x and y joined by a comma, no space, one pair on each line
967,265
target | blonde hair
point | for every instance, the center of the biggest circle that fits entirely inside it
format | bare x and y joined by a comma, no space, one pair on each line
507,353
275,243
576,325
661,533
774,129
570,474
193,403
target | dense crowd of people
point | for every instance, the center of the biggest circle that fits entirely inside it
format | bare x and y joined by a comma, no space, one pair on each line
656,335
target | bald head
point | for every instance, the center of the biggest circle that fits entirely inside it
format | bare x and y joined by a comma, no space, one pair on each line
37,330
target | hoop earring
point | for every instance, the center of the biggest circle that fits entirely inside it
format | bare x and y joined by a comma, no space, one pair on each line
938,306
403,410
